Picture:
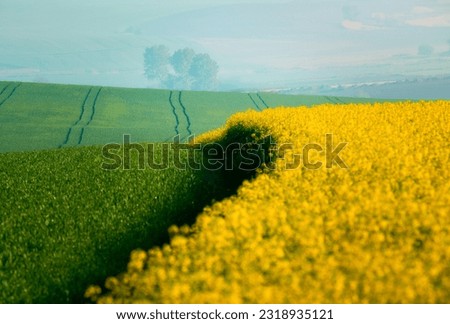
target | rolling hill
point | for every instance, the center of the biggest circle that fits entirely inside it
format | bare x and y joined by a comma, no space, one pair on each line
68,222
36,116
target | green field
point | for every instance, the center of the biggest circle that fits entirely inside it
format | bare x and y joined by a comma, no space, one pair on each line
44,116
66,222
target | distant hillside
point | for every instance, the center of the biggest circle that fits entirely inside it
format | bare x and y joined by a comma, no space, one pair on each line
414,89
35,116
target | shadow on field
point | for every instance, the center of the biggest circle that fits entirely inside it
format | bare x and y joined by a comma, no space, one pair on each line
68,223
225,165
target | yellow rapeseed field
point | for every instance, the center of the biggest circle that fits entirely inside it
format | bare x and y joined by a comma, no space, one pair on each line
372,230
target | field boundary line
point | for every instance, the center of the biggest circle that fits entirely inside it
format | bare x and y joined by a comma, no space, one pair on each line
66,140
188,128
11,94
254,102
177,124
262,100
80,139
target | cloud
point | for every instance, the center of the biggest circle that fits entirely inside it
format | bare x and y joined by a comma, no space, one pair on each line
428,17
433,21
417,16
422,10
358,26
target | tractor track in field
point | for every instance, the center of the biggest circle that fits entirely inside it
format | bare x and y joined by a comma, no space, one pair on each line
330,100
339,100
262,100
174,112
334,100
183,107
83,109
10,94
91,117
254,102
4,88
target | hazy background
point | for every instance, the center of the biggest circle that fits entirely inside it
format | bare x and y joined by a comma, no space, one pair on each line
384,48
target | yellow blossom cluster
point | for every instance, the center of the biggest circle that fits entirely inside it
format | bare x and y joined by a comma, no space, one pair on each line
374,231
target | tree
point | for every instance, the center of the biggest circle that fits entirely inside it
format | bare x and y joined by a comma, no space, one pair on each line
203,71
156,63
181,62
184,69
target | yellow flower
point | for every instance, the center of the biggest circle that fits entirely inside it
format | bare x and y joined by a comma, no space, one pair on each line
375,232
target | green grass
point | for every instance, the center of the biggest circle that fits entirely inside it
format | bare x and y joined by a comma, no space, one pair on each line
66,223
37,116
144,114
44,116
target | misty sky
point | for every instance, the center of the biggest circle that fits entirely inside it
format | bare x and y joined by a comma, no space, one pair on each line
259,44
